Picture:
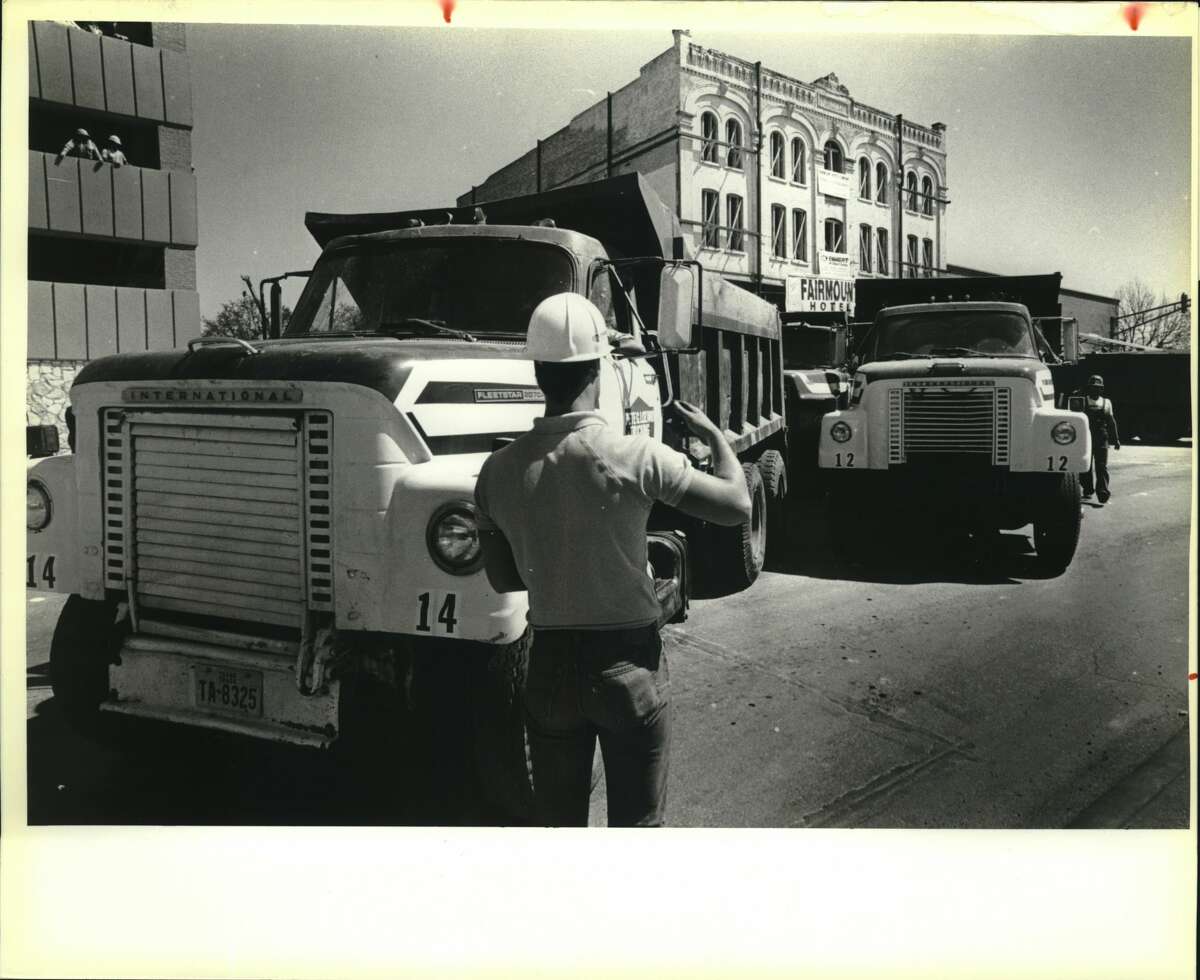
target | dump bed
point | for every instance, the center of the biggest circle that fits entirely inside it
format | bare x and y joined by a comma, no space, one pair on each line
1038,294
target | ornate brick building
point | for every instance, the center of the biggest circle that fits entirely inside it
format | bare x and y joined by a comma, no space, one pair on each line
112,260
772,178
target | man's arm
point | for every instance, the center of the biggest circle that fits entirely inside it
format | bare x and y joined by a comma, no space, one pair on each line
720,497
498,562
1113,436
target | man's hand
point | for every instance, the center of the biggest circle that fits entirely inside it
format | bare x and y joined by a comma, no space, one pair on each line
699,423
1117,448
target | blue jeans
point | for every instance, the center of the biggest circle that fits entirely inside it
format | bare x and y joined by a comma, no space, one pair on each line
611,684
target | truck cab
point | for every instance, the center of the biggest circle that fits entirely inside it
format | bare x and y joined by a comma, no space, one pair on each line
951,405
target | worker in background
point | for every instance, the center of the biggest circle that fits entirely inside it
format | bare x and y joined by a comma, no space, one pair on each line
113,153
562,513
80,145
1103,425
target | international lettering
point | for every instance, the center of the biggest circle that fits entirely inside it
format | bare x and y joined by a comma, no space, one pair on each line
225,396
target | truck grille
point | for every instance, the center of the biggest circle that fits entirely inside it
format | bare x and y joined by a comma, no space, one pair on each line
929,419
219,513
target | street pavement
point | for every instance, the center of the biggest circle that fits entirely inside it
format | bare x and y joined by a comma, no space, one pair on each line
926,686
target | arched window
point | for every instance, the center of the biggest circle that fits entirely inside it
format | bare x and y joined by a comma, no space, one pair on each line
777,163
910,183
864,178
799,163
927,196
733,136
710,130
833,157
881,183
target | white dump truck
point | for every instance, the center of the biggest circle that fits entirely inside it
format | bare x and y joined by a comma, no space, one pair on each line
251,530
952,412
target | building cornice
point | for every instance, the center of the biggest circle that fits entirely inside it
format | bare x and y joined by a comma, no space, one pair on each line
829,98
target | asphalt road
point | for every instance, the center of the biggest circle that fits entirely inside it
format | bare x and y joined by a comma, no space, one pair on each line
921,688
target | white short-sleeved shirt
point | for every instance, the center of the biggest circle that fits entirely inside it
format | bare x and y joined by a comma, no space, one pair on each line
572,498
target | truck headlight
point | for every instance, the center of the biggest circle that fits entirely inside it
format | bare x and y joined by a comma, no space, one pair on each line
1063,433
37,506
453,539
840,432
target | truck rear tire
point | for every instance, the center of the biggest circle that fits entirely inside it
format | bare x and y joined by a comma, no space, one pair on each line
737,553
1056,524
84,644
500,746
774,477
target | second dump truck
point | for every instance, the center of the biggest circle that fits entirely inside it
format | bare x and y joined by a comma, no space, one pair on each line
952,408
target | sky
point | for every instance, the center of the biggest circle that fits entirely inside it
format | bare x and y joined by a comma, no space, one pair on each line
1065,154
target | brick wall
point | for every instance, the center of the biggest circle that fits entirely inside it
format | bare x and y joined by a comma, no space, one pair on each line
173,37
46,386
179,267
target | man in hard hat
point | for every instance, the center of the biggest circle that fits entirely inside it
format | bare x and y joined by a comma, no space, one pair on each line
113,153
1103,425
80,145
562,513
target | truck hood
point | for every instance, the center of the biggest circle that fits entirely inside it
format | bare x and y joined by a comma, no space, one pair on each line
380,363
953,367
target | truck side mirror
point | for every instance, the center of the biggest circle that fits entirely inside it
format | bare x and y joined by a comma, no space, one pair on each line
276,311
1076,403
676,289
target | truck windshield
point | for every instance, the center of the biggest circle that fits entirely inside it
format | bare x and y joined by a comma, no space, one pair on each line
457,287
958,333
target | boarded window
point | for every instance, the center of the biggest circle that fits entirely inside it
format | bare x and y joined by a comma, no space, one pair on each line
881,251
799,234
733,218
733,136
865,247
777,163
778,231
710,134
799,161
833,157
864,179
927,257
910,261
835,236
910,182
710,209
881,183
927,196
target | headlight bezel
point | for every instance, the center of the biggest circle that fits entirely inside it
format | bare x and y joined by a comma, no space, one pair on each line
1068,429
463,509
842,427
38,487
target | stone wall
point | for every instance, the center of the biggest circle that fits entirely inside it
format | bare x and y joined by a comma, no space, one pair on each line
46,387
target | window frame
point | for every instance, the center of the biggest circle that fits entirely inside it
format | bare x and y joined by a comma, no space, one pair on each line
733,151
799,161
736,229
927,258
710,145
800,235
864,171
779,172
833,147
882,253
866,245
910,191
910,257
779,237
840,227
710,230
927,192
882,180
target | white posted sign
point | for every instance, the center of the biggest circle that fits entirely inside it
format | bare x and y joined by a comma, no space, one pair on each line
833,183
819,294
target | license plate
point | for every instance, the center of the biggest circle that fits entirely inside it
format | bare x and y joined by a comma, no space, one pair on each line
228,689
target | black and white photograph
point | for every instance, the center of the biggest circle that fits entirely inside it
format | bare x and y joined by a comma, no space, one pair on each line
701,424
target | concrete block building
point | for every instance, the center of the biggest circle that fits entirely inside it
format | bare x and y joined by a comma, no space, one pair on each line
112,249
771,177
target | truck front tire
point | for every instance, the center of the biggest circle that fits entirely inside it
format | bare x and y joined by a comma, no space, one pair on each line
1056,523
84,644
774,477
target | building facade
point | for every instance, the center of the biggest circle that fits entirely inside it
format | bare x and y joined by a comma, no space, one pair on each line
112,248
772,178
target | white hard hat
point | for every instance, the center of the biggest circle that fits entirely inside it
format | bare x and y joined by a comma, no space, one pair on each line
566,327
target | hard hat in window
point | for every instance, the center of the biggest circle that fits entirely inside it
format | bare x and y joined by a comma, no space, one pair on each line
566,327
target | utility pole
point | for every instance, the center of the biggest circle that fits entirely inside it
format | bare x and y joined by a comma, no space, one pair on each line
898,196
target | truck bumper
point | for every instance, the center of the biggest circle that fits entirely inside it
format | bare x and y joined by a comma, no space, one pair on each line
208,685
